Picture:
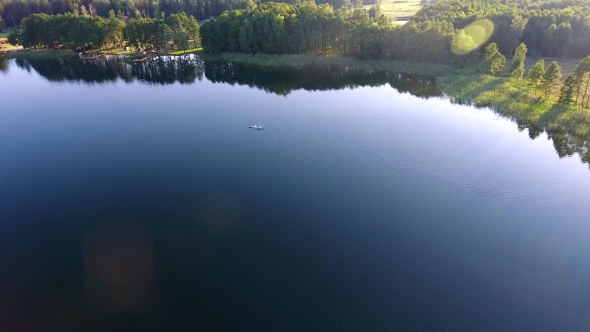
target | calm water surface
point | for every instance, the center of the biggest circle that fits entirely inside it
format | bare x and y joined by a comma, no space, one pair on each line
135,198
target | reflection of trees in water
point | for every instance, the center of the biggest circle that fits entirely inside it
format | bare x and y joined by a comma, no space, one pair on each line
184,70
188,69
3,64
565,144
283,81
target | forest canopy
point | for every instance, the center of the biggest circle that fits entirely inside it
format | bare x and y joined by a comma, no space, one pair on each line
559,28
13,11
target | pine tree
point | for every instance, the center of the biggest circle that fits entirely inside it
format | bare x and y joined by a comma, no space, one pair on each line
536,74
551,78
497,64
83,11
518,72
491,51
568,90
519,57
583,79
494,61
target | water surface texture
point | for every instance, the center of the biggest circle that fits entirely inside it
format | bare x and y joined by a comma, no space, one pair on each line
136,198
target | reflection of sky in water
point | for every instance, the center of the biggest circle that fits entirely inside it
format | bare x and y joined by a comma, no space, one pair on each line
155,206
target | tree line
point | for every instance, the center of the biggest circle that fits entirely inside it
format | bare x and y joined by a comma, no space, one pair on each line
307,28
280,28
555,28
575,90
84,32
558,28
13,11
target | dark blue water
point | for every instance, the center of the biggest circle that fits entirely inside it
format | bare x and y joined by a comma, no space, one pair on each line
137,199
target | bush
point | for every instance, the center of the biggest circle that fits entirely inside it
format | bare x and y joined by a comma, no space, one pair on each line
15,38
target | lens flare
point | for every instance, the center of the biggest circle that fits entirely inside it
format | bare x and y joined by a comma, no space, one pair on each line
472,36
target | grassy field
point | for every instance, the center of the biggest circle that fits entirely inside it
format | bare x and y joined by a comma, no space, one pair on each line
196,48
399,10
6,47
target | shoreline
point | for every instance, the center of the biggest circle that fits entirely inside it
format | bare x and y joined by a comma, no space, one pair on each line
511,99
465,86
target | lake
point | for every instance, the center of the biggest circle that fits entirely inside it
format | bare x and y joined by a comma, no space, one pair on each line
134,197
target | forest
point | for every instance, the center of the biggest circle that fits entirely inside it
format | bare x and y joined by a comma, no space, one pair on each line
84,32
13,11
559,28
279,28
548,28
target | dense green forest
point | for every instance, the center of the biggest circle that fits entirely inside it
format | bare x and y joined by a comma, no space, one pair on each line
83,32
548,28
559,28
13,11
279,28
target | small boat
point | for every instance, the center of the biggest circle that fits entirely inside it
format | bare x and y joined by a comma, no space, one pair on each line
255,127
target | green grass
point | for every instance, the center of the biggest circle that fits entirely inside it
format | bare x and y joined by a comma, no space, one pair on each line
7,47
304,60
399,9
115,50
198,49
40,54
